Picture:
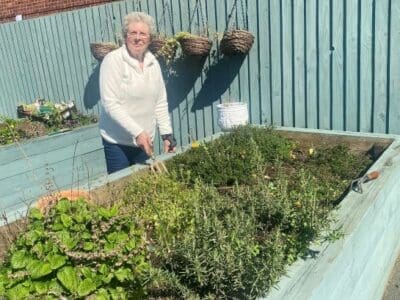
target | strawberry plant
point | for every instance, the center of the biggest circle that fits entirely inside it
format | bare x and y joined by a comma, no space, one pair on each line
77,250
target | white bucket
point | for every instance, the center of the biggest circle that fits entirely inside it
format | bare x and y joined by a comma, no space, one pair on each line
232,114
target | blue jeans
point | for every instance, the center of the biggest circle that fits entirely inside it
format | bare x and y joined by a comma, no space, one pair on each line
119,157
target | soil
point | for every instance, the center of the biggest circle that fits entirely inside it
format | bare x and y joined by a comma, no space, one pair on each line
392,291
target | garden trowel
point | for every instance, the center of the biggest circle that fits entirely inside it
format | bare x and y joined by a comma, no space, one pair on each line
356,185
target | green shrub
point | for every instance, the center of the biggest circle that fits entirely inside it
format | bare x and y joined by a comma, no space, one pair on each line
77,250
230,159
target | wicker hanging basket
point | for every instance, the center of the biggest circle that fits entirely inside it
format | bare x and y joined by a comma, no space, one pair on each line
236,42
156,44
195,45
99,50
163,48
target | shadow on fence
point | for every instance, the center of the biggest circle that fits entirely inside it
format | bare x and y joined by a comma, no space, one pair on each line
187,71
218,79
91,95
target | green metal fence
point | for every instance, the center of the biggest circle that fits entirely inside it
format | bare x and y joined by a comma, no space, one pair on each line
330,64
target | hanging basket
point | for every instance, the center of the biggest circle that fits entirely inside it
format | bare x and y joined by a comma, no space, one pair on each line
163,48
99,50
195,46
232,114
236,42
156,44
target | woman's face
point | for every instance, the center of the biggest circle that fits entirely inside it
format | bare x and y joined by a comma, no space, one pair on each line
137,39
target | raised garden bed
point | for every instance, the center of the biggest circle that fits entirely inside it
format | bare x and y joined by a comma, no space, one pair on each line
359,263
350,217
35,167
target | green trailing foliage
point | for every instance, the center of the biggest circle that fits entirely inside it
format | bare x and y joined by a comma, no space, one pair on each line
77,250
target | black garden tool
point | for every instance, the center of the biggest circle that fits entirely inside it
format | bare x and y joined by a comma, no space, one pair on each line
356,185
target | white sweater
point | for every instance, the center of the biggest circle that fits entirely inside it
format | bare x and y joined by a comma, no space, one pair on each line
132,100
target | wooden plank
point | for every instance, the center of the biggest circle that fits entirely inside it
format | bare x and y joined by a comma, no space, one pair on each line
6,85
89,101
61,175
207,111
275,58
217,8
53,60
33,162
365,54
394,71
24,60
263,93
19,86
337,66
299,53
380,79
35,146
351,66
311,75
287,64
324,55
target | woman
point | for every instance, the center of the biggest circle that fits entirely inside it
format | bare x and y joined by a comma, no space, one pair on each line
133,98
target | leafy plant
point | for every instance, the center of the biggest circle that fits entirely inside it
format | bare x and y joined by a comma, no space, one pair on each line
230,159
76,250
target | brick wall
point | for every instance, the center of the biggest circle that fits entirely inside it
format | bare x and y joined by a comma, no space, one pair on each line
34,8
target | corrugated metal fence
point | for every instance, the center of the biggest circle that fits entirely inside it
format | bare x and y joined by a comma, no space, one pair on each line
331,64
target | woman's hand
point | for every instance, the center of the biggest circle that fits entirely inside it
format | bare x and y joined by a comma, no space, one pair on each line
169,143
143,140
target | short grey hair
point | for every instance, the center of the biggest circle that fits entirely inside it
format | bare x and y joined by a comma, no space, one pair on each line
137,17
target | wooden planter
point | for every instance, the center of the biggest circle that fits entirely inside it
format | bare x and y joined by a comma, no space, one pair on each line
358,265
47,165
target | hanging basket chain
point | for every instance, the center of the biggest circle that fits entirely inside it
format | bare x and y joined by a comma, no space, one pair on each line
244,15
228,22
237,41
166,8
196,9
244,8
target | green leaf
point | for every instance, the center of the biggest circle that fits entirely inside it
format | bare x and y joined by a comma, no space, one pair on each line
41,287
37,268
108,278
63,205
66,220
123,274
66,239
118,293
55,288
87,246
87,272
68,278
86,287
19,259
18,292
32,236
56,261
104,269
35,214
102,294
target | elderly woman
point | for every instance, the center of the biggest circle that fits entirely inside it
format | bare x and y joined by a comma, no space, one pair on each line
133,98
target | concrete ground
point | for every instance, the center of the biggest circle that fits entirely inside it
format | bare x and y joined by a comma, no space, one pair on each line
392,291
